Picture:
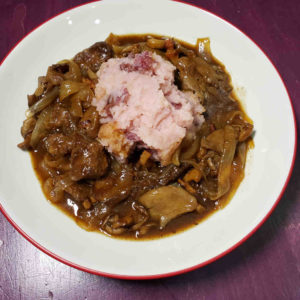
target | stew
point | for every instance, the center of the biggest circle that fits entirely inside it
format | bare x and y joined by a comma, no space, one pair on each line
100,161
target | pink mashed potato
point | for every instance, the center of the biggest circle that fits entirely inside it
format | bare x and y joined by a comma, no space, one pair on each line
140,106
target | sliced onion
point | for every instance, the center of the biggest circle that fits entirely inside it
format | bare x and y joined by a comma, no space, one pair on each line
40,129
232,114
191,150
76,108
214,141
155,43
69,87
43,102
230,142
74,73
91,74
242,153
175,157
203,48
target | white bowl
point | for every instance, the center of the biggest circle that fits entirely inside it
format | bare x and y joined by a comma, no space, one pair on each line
269,163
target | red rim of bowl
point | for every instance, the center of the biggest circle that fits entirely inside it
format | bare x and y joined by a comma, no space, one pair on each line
174,273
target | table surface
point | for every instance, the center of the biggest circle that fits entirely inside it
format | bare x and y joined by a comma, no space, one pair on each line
266,266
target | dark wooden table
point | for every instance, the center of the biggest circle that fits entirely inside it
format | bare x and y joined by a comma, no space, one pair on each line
267,266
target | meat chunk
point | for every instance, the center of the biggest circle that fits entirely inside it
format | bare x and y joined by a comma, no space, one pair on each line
168,202
79,192
88,160
61,118
93,57
55,73
114,188
171,173
58,144
90,122
189,77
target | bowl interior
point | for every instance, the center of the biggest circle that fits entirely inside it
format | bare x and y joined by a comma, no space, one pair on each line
256,82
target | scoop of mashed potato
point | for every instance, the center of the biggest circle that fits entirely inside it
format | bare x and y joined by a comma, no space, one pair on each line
140,106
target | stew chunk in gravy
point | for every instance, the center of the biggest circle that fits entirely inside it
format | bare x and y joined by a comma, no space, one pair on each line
139,136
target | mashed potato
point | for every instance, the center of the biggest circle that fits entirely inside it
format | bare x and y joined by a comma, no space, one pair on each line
140,106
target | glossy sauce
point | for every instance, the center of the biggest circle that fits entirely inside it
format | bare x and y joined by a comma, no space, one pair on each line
71,207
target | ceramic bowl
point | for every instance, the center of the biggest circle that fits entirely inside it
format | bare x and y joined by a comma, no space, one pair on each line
255,80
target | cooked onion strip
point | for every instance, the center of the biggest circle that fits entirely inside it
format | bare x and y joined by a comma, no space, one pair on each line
230,142
214,141
40,129
43,102
74,73
191,150
175,157
69,87
242,154
203,48
155,43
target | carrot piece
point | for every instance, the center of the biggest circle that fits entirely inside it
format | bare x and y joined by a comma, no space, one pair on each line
144,157
192,175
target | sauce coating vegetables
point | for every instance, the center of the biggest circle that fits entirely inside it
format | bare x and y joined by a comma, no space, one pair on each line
138,197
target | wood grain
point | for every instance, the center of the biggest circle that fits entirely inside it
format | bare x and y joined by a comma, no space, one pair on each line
267,266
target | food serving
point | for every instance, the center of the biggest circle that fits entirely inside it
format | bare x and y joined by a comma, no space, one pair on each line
138,136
